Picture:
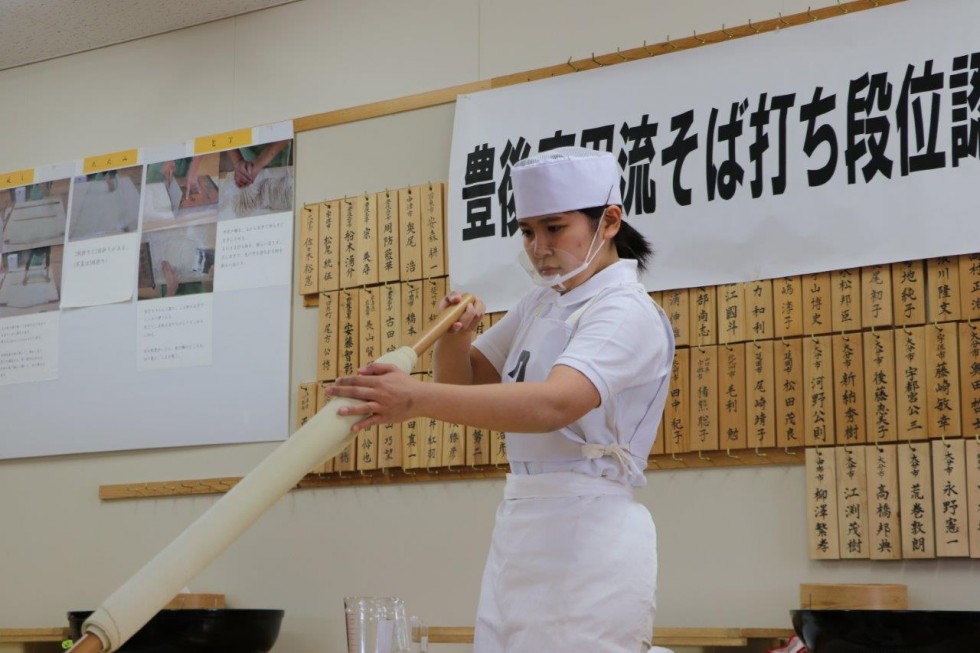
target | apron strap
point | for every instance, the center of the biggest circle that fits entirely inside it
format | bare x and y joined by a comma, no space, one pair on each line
617,452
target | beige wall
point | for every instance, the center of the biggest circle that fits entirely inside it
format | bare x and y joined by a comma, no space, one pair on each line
732,542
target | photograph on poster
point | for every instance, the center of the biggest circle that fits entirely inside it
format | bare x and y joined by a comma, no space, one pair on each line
181,192
105,203
30,280
34,215
178,261
256,180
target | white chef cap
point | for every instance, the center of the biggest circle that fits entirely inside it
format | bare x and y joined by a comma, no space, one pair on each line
564,179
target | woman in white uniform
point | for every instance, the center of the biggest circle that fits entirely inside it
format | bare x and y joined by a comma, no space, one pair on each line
576,375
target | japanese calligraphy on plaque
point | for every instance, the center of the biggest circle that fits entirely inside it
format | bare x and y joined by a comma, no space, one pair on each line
330,246
677,307
704,398
950,498
477,446
817,305
818,393
852,501
884,531
972,462
942,381
389,265
309,240
703,322
849,389
788,299
760,381
327,328
909,292
410,234
821,504
790,392
433,235
916,508
677,411
880,386
876,296
970,287
943,289
845,298
969,346
910,373
759,310
349,271
390,317
732,409
731,312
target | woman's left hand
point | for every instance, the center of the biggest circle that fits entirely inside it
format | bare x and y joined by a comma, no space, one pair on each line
388,394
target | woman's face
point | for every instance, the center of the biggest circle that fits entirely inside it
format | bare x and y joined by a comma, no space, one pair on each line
559,243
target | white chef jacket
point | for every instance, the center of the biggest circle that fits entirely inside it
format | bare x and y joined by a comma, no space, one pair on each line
609,330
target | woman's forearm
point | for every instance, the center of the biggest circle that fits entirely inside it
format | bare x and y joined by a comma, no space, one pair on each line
521,407
451,362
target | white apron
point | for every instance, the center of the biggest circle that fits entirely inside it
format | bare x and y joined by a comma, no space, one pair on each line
572,566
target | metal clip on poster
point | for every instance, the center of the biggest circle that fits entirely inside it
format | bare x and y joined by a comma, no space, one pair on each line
325,435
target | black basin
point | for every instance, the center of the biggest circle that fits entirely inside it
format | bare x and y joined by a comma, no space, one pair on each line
891,631
198,631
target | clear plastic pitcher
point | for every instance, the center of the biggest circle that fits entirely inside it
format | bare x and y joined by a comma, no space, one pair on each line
376,625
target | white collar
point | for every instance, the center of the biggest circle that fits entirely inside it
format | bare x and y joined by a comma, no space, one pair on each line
620,273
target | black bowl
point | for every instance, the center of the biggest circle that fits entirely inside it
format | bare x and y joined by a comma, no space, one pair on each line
198,631
892,631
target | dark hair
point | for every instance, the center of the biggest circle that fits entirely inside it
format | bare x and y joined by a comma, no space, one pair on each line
629,242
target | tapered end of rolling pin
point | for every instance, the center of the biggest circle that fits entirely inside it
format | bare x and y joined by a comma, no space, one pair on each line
442,324
89,643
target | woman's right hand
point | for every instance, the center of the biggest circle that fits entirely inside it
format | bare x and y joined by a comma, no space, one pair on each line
470,318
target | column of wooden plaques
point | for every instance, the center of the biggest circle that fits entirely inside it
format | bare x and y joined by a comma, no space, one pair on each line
881,354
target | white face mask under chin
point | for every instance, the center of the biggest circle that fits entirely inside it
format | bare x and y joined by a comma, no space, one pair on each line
566,260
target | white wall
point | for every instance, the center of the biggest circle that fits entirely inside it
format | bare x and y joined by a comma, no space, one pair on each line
732,541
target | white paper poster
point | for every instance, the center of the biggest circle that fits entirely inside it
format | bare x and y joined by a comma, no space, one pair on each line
29,348
826,146
175,332
254,252
100,271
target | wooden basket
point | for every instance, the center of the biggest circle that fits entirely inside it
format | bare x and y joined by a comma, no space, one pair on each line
834,596
196,602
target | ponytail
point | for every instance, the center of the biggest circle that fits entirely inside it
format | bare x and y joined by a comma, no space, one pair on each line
629,242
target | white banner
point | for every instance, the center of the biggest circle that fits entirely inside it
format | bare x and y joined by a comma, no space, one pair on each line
846,142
